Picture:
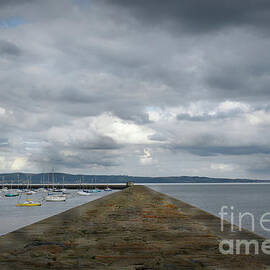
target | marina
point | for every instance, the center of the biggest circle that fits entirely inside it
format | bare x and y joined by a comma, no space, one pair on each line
60,186
19,211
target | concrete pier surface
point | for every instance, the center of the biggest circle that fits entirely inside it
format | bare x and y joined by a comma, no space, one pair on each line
133,229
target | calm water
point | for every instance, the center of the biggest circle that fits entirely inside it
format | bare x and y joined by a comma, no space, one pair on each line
253,198
12,217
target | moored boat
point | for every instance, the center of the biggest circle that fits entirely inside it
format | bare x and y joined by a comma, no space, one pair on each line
10,195
29,203
84,193
57,190
55,198
95,190
30,192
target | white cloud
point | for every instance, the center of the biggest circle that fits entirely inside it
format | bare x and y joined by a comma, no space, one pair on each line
146,158
122,131
2,111
4,165
8,164
258,118
19,163
228,106
222,167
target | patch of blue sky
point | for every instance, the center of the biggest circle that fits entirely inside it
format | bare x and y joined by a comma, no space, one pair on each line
11,22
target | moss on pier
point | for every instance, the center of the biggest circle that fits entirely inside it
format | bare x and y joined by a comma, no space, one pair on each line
135,229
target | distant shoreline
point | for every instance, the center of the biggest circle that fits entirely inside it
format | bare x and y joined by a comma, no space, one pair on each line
57,177
199,184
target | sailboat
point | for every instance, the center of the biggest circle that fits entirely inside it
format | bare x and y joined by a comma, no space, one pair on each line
42,188
84,193
64,190
55,198
28,191
29,203
107,189
57,190
95,190
11,193
3,187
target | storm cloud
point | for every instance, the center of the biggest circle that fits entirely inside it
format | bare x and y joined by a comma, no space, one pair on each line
150,88
201,16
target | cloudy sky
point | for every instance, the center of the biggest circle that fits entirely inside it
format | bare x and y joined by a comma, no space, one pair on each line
152,88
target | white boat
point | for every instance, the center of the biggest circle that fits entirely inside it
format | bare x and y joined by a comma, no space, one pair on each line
30,192
55,198
57,190
83,193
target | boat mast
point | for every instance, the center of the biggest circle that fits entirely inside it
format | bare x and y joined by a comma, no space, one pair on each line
27,187
53,178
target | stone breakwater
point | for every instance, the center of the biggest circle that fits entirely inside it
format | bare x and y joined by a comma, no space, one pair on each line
134,229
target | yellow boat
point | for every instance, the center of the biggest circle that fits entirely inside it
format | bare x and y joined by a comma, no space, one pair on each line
29,203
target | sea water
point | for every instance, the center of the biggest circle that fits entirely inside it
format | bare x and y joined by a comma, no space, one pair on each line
12,217
251,198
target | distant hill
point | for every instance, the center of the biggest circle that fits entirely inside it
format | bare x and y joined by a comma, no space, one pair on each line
70,178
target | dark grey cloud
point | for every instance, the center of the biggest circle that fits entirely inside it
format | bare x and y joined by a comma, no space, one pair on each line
201,16
242,76
188,117
101,143
52,157
3,144
77,96
208,117
208,150
9,49
14,2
